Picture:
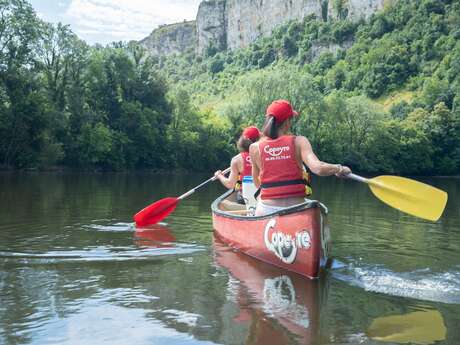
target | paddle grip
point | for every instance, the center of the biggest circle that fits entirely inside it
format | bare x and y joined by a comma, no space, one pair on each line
190,192
223,173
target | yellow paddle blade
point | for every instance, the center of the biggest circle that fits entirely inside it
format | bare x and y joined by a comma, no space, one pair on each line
412,197
420,327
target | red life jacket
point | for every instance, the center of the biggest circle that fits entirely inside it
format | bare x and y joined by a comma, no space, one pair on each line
247,170
247,165
280,175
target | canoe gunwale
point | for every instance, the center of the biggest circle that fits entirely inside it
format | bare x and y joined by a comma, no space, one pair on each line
288,210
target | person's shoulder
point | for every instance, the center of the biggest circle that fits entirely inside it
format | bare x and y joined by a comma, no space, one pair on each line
302,142
236,158
254,147
236,162
301,139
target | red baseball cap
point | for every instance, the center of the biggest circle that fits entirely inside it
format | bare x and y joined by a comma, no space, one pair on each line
281,110
252,133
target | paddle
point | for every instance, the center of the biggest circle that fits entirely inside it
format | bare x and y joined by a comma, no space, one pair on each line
409,196
160,209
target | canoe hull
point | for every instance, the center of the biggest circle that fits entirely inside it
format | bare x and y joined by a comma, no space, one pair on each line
296,239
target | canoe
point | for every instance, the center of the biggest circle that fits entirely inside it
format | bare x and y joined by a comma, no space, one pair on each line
296,238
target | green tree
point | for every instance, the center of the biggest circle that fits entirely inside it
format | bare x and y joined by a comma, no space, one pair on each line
19,30
22,116
434,91
52,51
95,143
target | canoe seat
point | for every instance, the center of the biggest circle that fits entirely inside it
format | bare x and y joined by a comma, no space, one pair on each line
228,205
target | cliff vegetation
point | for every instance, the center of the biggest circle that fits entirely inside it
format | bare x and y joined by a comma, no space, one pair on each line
381,95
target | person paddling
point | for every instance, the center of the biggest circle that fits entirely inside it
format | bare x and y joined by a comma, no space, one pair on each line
241,164
277,162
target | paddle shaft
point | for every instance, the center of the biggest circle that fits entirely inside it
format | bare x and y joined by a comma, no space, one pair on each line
191,191
357,178
371,182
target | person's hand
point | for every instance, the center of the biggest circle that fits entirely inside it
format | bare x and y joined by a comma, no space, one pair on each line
218,173
343,171
346,171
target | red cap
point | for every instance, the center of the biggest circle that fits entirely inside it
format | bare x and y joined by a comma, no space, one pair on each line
281,110
252,133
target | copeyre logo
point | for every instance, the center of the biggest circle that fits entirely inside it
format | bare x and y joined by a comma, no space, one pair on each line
285,246
248,159
276,151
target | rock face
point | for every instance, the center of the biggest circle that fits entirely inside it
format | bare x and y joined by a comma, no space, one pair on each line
353,9
211,25
233,24
249,19
171,39
319,48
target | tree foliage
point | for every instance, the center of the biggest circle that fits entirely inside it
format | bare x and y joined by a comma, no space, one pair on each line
63,102
338,74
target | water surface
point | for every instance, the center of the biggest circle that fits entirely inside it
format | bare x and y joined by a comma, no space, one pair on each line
74,270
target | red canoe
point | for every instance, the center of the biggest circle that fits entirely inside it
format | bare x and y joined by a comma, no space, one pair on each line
295,238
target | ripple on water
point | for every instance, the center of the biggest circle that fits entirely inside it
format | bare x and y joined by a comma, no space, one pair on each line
190,319
101,254
116,227
420,284
125,296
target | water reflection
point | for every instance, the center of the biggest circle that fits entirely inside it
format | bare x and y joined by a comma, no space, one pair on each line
73,269
281,307
156,236
420,327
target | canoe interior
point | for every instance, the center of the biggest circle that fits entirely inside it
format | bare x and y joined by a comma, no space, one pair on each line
227,206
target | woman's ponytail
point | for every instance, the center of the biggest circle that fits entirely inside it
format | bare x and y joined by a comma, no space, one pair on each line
270,128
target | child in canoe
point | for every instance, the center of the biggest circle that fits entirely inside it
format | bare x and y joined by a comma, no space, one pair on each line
278,158
241,164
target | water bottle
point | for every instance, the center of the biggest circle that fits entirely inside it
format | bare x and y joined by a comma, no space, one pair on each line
248,194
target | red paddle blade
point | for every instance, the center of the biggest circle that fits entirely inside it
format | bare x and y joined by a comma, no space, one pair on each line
155,212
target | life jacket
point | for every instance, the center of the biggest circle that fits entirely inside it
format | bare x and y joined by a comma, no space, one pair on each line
280,175
247,165
247,170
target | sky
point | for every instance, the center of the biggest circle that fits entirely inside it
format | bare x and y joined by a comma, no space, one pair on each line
105,21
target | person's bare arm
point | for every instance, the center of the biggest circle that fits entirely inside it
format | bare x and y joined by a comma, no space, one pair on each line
230,181
255,160
314,164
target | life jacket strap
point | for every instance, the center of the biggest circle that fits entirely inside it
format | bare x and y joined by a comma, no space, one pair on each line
282,183
238,185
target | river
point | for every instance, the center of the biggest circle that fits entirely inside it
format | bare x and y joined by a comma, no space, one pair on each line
74,270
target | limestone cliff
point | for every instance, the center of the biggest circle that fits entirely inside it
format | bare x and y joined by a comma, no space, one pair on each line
171,39
353,9
249,19
232,24
211,25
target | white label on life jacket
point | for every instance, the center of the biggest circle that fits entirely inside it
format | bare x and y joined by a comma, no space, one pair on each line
277,152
